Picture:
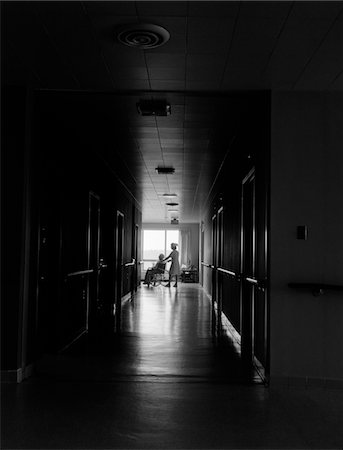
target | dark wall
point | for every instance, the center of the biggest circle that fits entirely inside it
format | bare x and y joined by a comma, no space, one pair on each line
46,185
72,159
250,148
12,204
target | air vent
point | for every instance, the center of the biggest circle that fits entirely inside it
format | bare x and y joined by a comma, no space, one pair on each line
169,195
172,204
165,170
142,35
154,108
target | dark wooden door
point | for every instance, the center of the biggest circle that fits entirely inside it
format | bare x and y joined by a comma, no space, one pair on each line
93,259
254,318
119,251
135,258
216,317
248,255
202,241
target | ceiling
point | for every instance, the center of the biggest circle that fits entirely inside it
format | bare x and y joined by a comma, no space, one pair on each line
217,51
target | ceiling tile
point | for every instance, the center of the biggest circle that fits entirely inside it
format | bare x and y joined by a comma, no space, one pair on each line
110,8
166,85
209,35
166,73
165,8
326,64
213,9
160,60
130,73
123,83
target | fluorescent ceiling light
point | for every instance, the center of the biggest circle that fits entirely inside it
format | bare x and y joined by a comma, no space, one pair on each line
165,170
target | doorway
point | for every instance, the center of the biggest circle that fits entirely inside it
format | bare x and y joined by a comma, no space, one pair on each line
119,252
93,259
254,318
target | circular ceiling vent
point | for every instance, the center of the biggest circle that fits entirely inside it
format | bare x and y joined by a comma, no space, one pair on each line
143,35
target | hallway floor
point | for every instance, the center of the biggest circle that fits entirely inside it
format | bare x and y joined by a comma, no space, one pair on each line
166,383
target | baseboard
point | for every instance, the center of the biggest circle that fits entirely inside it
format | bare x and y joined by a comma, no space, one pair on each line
72,342
229,329
305,382
126,297
12,376
17,375
129,295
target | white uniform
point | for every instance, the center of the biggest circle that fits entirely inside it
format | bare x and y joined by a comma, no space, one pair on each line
175,266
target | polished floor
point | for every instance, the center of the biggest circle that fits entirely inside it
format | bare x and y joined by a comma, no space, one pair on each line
168,382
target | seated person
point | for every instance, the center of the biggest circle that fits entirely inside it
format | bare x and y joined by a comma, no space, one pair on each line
157,268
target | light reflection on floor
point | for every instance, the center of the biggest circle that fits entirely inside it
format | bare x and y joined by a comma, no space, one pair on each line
174,334
164,383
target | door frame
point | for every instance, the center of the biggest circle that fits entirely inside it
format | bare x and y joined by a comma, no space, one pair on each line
92,304
119,262
247,298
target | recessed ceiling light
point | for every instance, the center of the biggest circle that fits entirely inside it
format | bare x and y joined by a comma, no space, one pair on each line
169,195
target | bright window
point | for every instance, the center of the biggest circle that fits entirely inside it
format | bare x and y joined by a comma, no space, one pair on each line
156,242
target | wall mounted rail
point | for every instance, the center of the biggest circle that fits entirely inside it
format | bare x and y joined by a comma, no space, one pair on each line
231,273
260,284
79,273
210,266
316,288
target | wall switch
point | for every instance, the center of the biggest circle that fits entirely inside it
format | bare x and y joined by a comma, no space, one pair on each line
302,232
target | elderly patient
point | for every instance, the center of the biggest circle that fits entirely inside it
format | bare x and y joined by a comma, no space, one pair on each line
157,268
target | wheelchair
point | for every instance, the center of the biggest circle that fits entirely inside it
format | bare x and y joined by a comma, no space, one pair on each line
158,276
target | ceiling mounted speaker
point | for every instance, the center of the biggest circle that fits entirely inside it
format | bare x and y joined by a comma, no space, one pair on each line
143,35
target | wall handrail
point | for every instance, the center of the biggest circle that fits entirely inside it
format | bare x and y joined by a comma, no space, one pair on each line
79,273
251,280
227,272
260,284
207,265
316,288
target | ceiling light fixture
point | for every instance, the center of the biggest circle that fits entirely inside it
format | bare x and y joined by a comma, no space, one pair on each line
169,195
142,35
165,170
172,204
153,108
